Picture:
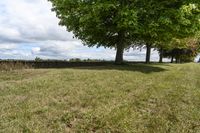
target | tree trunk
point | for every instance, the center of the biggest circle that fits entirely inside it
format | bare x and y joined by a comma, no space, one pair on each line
161,56
172,59
120,48
119,54
177,60
148,53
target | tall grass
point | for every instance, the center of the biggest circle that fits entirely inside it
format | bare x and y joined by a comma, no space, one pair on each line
10,66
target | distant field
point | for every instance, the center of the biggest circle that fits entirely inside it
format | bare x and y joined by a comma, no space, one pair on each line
134,98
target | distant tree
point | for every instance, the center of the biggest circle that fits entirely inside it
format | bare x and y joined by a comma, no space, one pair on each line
184,50
75,60
38,59
161,21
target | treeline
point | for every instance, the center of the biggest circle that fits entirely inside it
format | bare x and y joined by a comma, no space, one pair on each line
38,59
170,26
8,65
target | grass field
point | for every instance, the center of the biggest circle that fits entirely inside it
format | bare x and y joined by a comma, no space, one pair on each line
133,98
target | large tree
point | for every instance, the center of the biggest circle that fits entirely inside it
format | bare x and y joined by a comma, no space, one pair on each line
98,23
120,23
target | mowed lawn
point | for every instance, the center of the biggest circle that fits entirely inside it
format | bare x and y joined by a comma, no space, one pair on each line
135,98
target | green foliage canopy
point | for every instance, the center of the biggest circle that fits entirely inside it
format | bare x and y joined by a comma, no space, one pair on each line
98,22
163,20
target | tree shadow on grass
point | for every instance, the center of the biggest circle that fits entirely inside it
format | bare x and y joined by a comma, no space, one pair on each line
143,68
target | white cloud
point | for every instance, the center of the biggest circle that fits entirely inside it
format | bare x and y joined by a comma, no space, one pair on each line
35,50
30,20
26,23
7,46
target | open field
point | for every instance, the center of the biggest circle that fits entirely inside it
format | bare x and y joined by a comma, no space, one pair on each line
120,99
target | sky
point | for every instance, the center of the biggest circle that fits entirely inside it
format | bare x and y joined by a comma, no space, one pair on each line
28,29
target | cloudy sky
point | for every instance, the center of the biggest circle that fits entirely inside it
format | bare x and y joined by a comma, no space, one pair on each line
29,29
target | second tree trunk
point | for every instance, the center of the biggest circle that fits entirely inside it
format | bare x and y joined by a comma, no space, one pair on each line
148,53
161,56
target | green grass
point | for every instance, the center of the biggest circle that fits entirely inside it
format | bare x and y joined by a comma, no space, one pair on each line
134,98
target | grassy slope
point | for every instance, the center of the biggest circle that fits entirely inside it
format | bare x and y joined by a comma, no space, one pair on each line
137,98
